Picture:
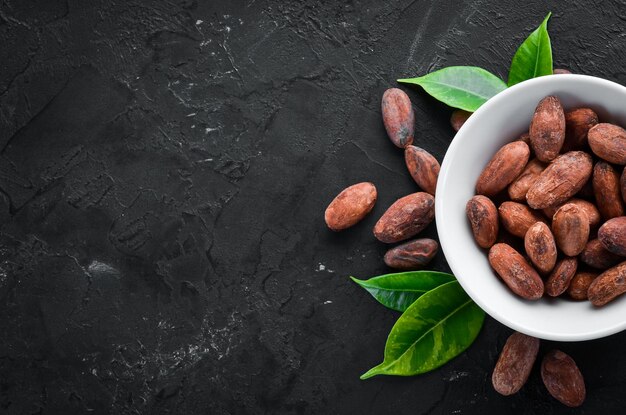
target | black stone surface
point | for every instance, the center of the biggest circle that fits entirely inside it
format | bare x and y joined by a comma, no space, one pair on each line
164,169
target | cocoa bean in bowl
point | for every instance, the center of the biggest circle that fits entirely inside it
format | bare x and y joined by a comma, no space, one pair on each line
518,224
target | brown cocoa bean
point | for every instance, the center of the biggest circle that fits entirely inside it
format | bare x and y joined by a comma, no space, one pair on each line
596,256
593,214
612,234
622,183
579,285
561,71
412,255
515,363
423,167
517,218
398,117
458,118
540,247
518,189
561,180
586,191
503,168
570,227
563,379
607,191
483,217
608,141
577,125
560,278
525,138
516,273
547,129
350,206
608,286
407,217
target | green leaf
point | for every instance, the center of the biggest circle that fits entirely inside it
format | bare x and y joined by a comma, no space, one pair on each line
398,291
464,87
437,327
534,57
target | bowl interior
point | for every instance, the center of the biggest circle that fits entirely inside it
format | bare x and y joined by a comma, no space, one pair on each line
501,120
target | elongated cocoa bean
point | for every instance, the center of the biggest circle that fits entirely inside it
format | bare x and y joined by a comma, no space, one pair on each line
561,180
412,255
350,206
515,363
483,217
517,274
607,191
560,278
563,378
503,168
407,217
423,167
608,286
398,117
547,129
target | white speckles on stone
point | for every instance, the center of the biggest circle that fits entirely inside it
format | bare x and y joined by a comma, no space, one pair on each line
454,376
321,267
97,268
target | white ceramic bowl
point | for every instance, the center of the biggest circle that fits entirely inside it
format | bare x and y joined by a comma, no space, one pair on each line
499,121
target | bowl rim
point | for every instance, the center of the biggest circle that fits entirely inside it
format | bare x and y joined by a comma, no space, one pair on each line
445,239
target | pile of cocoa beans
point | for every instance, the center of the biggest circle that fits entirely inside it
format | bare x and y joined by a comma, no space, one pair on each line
561,189
549,210
407,216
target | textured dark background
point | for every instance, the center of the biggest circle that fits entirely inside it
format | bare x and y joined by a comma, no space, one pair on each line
164,169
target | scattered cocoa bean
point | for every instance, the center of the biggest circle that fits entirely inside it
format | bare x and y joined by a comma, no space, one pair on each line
561,71
458,118
407,217
515,363
350,206
563,379
423,167
398,117
412,255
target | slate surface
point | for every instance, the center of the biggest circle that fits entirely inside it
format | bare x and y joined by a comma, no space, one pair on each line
164,168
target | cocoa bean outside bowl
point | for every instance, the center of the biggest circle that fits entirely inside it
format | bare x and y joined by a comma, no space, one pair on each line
499,121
